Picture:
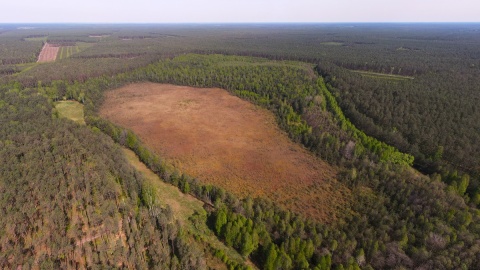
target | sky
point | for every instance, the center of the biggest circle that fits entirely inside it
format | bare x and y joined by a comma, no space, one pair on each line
238,11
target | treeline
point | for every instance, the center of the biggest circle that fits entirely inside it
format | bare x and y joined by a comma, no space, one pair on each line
384,151
14,51
71,200
15,61
433,123
79,70
70,40
8,70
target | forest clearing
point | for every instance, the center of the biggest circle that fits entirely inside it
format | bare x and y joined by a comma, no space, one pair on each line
48,54
223,140
70,109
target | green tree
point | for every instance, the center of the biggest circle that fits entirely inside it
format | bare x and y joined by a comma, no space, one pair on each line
220,221
247,244
463,184
270,257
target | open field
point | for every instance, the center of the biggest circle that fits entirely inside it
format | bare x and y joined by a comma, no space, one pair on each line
48,53
225,141
72,110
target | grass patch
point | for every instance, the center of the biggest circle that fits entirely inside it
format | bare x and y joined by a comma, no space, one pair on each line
183,205
60,53
65,52
382,75
72,110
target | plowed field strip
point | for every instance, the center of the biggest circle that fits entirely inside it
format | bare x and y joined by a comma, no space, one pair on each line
48,53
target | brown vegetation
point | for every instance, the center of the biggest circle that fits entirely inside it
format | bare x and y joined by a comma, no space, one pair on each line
223,140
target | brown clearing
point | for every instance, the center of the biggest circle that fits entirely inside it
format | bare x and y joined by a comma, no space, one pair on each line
223,140
48,54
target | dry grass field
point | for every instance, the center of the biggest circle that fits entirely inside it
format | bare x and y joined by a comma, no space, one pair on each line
226,141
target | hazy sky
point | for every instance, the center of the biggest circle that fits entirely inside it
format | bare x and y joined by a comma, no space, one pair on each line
153,11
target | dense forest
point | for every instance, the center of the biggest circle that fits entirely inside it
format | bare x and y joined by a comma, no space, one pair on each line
64,188
71,200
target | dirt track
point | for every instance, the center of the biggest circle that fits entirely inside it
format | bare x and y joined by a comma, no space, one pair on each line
226,141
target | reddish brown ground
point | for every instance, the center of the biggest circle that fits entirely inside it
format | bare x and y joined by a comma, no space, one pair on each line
226,141
48,54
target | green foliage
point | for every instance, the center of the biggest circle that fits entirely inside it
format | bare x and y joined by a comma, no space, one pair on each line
237,231
271,257
220,221
148,195
385,152
69,188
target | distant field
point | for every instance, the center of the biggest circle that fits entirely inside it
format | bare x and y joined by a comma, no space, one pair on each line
228,142
332,43
383,75
72,110
68,51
